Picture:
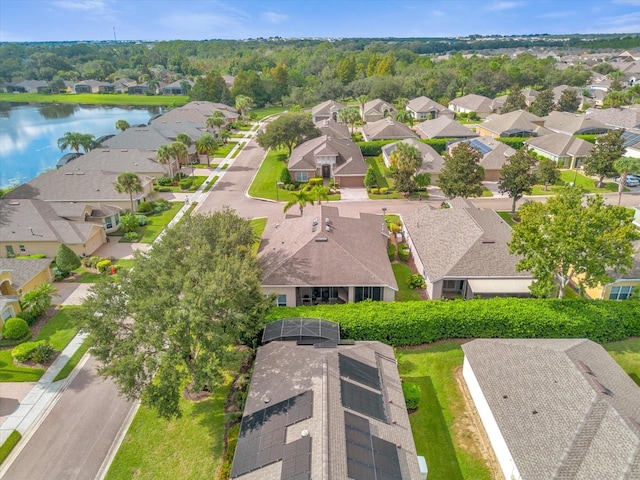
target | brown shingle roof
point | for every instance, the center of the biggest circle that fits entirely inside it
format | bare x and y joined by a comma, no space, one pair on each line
349,158
385,129
443,127
477,103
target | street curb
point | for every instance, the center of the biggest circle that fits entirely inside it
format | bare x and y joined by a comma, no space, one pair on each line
117,442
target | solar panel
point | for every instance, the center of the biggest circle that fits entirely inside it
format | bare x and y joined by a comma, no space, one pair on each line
479,146
387,463
296,460
359,372
362,400
630,138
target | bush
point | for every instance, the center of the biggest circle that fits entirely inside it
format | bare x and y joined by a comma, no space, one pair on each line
163,181
144,208
15,328
384,191
373,149
142,220
131,237
160,205
416,281
438,144
103,266
315,181
59,274
285,176
412,394
67,259
513,142
391,251
164,189
128,222
375,191
185,184
29,317
23,352
370,180
403,252
93,261
31,257
43,352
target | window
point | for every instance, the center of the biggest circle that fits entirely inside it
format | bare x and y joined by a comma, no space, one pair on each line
302,176
10,252
368,293
281,301
452,285
117,217
22,249
620,293
108,223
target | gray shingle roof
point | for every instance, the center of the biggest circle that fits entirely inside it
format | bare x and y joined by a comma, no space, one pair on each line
570,123
324,109
333,129
518,120
578,430
432,162
197,112
424,105
355,253
617,117
561,144
378,107
23,271
444,127
385,129
119,160
349,156
477,103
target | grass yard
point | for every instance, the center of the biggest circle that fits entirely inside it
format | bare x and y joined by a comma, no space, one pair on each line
213,166
210,184
486,192
439,423
381,171
568,176
258,225
507,217
197,181
224,150
260,113
627,354
95,99
148,233
73,361
239,149
402,272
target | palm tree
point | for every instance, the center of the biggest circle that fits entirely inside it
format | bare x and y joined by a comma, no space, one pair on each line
76,140
164,155
624,166
401,103
349,116
152,86
179,152
300,198
186,139
122,125
185,85
216,120
206,145
362,99
320,192
128,182
243,103
404,116
38,300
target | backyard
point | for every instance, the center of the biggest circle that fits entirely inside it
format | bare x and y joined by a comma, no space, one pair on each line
569,176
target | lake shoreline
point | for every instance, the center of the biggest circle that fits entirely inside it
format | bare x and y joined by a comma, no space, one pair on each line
105,99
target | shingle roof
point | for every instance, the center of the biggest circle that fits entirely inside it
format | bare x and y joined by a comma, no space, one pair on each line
424,104
24,270
152,137
617,117
453,242
495,157
518,120
550,401
291,255
349,156
570,123
432,162
325,108
443,127
197,112
378,106
477,103
333,129
387,128
119,160
561,144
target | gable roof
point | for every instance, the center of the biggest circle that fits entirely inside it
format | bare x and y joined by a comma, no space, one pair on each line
617,117
424,105
325,108
23,270
432,162
152,137
476,103
494,152
292,254
378,107
571,124
561,144
518,120
386,128
118,160
333,129
197,112
443,127
349,159
563,406
452,242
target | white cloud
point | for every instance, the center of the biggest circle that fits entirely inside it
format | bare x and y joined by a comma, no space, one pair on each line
273,17
500,6
97,6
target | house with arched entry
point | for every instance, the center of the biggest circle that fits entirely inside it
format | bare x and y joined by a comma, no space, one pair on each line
17,277
328,110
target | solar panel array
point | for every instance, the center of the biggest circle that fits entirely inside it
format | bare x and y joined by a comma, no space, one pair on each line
296,460
362,400
262,434
304,329
359,371
630,138
479,146
369,457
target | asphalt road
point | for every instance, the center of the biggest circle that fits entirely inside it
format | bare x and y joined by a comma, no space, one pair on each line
75,437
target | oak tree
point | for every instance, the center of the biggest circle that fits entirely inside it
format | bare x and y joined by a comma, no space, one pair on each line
462,174
516,176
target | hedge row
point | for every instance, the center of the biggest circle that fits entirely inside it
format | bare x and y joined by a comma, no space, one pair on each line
415,323
373,149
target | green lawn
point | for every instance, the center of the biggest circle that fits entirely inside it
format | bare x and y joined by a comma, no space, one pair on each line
568,176
210,184
437,423
627,354
224,150
11,441
486,192
240,147
258,225
381,171
212,166
260,113
506,216
197,181
95,99
73,361
157,223
402,272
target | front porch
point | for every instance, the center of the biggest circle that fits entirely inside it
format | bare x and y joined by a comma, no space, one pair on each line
321,295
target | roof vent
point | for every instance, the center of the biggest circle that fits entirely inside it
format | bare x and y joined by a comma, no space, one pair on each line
327,221
68,173
79,173
488,240
304,433
14,203
322,239
327,228
266,399
315,221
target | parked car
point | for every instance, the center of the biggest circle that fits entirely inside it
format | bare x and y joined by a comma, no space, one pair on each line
630,181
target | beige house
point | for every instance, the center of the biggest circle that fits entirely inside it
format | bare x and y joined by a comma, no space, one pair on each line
481,105
323,258
142,162
197,113
463,251
432,162
574,124
513,124
386,129
17,277
622,285
443,127
328,110
494,155
565,150
423,108
376,110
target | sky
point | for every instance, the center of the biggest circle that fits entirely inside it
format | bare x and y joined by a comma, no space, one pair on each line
83,20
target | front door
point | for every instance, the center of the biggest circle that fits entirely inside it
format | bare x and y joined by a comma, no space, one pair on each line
326,171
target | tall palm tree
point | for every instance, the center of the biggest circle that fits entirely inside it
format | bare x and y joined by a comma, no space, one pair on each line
404,116
152,86
206,145
624,166
243,103
165,155
186,139
301,198
320,192
122,125
362,99
128,182
179,151
76,140
349,116
216,120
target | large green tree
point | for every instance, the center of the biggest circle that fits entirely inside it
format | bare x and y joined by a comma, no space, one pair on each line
547,172
128,182
162,330
243,103
462,174
516,176
515,101
609,148
164,156
349,116
543,103
122,125
66,259
206,145
288,131
211,88
405,160
568,101
564,237
625,166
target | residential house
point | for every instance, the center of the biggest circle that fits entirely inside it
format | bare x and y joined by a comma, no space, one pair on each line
20,276
518,123
432,162
443,127
36,226
141,162
463,251
623,285
557,93
122,85
323,258
566,150
530,95
328,110
177,87
139,89
574,124
555,408
494,155
376,110
386,129
632,142
481,105
423,108
497,103
334,129
331,158
229,80
29,86
93,86
197,113
319,407
628,117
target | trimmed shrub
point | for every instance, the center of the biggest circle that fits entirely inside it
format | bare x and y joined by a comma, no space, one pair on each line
142,220
416,281
131,237
25,351
403,252
373,149
514,142
15,328
591,138
30,257
375,191
163,181
384,190
391,251
144,208
103,266
128,222
315,181
185,184
160,205
412,395
43,352
67,259
164,189
438,144
285,176
29,317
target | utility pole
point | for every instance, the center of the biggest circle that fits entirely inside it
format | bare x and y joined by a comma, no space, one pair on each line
114,35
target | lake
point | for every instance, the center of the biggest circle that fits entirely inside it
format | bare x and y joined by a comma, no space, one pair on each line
29,133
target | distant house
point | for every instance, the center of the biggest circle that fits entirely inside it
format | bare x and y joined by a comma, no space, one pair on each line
197,113
463,251
558,91
229,80
176,88
142,162
18,277
617,117
333,129
481,105
513,124
323,258
494,155
555,408
322,408
622,285
93,86
423,108
443,127
328,110
632,142
565,150
328,157
530,95
376,110
574,124
139,89
432,162
386,129
29,86
122,85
